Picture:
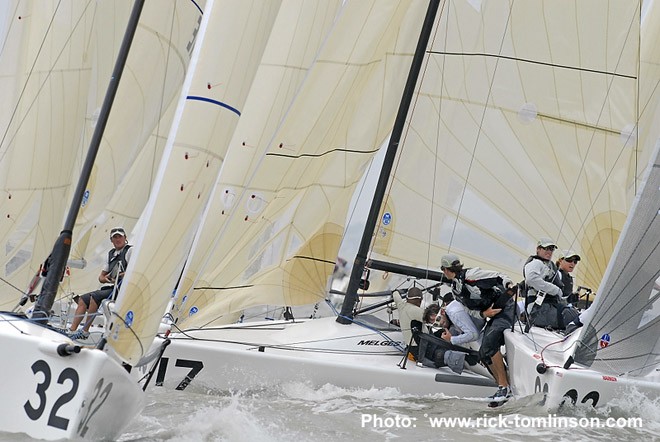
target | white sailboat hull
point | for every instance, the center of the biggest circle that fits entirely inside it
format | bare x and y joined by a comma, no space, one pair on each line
85,395
577,384
317,352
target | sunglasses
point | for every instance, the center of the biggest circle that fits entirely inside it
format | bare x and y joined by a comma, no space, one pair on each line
551,248
572,260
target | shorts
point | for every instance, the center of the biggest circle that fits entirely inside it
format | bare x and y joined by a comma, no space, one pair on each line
97,295
493,337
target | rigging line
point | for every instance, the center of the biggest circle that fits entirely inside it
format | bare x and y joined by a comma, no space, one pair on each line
436,171
404,137
480,131
31,71
280,346
386,337
436,166
639,368
582,171
11,285
128,326
542,63
317,155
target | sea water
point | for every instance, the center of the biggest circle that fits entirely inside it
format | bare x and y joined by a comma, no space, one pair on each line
297,411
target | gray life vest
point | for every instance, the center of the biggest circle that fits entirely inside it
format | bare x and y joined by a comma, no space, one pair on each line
115,257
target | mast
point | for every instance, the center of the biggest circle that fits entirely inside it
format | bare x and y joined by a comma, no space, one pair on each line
346,314
62,246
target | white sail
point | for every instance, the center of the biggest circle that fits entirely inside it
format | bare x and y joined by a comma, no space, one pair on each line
532,118
282,69
123,209
45,68
278,215
157,64
133,141
231,39
54,129
525,126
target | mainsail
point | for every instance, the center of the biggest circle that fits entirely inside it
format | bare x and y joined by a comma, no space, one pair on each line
525,126
538,119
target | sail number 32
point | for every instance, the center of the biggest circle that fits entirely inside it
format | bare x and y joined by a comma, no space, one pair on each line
35,410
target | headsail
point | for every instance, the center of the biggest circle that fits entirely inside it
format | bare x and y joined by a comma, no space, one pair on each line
283,206
222,68
283,67
133,142
45,69
623,333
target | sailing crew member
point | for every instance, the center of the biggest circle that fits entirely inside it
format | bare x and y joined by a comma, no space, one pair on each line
461,328
543,286
566,263
436,349
483,293
111,275
409,310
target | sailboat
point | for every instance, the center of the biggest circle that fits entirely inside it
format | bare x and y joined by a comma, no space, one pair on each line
262,188
524,124
61,389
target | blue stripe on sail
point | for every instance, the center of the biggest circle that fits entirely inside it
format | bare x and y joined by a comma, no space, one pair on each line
219,103
197,6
